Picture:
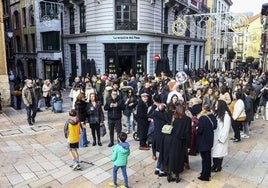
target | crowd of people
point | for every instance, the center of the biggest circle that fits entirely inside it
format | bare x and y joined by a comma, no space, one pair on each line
201,111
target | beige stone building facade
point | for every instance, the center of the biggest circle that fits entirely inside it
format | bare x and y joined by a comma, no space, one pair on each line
4,82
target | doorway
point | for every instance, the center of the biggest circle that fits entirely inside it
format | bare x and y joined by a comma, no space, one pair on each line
125,63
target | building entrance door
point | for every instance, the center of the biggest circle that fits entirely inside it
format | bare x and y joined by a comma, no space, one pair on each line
125,64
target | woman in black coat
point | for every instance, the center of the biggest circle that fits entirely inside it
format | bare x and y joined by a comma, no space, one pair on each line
142,121
205,137
174,146
80,107
249,109
159,117
95,117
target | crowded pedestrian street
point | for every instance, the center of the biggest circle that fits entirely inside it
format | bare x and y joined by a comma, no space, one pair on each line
36,156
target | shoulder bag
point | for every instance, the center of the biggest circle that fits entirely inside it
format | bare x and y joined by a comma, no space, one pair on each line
167,128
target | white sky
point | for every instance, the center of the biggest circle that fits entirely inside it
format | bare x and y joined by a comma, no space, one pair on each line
240,6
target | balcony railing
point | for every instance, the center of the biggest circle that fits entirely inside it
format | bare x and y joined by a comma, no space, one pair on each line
125,25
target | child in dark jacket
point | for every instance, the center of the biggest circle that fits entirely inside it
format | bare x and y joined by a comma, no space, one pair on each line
120,157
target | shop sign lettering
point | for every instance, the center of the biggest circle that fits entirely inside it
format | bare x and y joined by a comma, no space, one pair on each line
130,37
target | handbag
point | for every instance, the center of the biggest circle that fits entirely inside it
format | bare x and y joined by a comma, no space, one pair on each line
167,128
102,130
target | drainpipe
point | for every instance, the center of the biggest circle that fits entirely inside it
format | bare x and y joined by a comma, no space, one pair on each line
62,48
162,29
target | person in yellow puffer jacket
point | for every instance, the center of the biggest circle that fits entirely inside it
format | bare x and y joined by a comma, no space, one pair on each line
72,130
204,81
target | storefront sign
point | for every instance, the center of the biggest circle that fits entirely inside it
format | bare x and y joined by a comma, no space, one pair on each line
123,38
126,37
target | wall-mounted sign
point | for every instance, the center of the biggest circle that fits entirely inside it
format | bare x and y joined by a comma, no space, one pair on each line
126,37
157,57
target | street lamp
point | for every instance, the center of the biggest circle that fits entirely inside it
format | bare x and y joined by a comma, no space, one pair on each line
9,34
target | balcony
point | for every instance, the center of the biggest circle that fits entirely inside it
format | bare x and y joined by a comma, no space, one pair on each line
125,25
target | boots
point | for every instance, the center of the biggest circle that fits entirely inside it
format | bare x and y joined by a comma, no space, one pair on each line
217,162
219,165
177,179
214,166
94,142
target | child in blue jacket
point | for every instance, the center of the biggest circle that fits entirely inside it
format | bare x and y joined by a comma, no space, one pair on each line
120,157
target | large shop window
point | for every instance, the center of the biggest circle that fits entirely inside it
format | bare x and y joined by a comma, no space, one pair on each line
126,15
51,40
52,69
125,58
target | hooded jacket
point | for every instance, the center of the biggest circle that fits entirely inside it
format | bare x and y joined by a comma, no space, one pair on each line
72,130
120,154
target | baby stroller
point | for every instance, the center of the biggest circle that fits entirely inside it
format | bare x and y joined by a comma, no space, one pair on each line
56,102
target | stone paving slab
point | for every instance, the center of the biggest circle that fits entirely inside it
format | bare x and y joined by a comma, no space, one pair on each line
40,158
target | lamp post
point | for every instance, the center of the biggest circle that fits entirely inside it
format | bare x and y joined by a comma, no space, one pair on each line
9,56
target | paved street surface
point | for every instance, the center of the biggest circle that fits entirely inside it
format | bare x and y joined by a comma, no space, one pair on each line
37,157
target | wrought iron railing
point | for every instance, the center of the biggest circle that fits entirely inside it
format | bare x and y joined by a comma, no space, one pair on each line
125,25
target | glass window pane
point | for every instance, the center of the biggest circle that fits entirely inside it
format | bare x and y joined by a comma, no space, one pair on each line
118,8
118,16
126,8
126,16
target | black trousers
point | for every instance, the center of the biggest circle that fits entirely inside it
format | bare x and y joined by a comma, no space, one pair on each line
114,124
206,164
95,128
236,128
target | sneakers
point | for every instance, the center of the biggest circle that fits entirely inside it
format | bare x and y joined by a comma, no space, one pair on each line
76,167
257,116
112,184
237,140
127,132
244,136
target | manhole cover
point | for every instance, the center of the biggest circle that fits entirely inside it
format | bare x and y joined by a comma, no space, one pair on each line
40,128
10,132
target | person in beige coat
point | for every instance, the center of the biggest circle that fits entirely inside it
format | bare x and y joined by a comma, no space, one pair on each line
30,100
221,134
237,108
46,88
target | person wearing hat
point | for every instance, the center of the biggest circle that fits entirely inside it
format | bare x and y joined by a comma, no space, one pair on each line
142,120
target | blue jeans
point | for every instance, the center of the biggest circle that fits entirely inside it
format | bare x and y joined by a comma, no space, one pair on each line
130,122
124,173
159,165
